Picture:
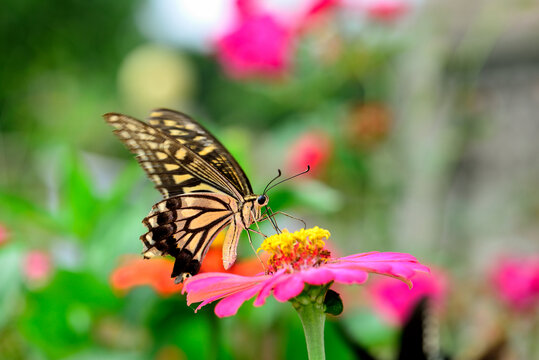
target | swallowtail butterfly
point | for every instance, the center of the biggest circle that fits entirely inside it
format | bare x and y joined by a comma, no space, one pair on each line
203,187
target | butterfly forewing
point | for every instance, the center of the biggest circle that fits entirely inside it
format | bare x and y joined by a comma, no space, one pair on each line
172,166
200,141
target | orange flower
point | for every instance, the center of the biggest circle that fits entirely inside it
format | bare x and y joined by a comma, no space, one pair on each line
135,271
140,272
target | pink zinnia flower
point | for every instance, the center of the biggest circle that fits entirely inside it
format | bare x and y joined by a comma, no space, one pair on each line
395,301
258,45
517,281
311,149
296,259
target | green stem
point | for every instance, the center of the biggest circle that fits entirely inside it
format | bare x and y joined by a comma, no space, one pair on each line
313,317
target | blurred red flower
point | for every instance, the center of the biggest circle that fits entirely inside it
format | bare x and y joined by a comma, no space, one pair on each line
37,265
394,301
257,45
312,148
517,281
136,271
386,10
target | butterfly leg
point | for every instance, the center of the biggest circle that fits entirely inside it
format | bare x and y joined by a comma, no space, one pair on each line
252,247
271,219
259,232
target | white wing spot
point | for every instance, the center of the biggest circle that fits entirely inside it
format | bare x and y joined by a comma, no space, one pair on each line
178,179
180,154
161,155
206,150
171,167
176,132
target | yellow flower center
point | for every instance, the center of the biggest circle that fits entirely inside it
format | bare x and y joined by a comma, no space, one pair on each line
298,250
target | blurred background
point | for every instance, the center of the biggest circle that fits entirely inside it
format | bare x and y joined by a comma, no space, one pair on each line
418,118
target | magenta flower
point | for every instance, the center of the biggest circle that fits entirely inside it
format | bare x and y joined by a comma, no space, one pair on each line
517,281
301,270
257,45
395,301
296,259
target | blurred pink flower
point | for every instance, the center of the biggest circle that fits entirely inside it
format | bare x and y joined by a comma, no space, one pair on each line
296,259
4,235
37,265
394,301
517,281
313,149
386,10
321,6
297,15
257,45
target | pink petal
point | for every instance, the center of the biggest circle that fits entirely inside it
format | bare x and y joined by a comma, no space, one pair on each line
268,287
318,276
208,287
290,287
402,266
229,306
347,276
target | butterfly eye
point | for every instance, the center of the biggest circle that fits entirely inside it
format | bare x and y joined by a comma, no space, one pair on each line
262,200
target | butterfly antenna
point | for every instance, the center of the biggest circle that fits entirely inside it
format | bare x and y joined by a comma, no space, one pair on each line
290,178
272,180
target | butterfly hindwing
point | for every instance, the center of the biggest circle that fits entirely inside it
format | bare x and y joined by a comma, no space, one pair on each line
184,226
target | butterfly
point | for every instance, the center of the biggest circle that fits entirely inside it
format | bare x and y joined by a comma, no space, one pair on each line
203,186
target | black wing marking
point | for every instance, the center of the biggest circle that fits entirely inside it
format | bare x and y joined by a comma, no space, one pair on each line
184,227
198,139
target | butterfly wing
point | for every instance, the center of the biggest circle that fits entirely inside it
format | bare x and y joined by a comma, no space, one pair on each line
193,135
202,183
171,165
184,226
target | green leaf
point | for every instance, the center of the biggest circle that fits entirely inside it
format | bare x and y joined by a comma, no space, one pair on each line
59,318
78,201
333,303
